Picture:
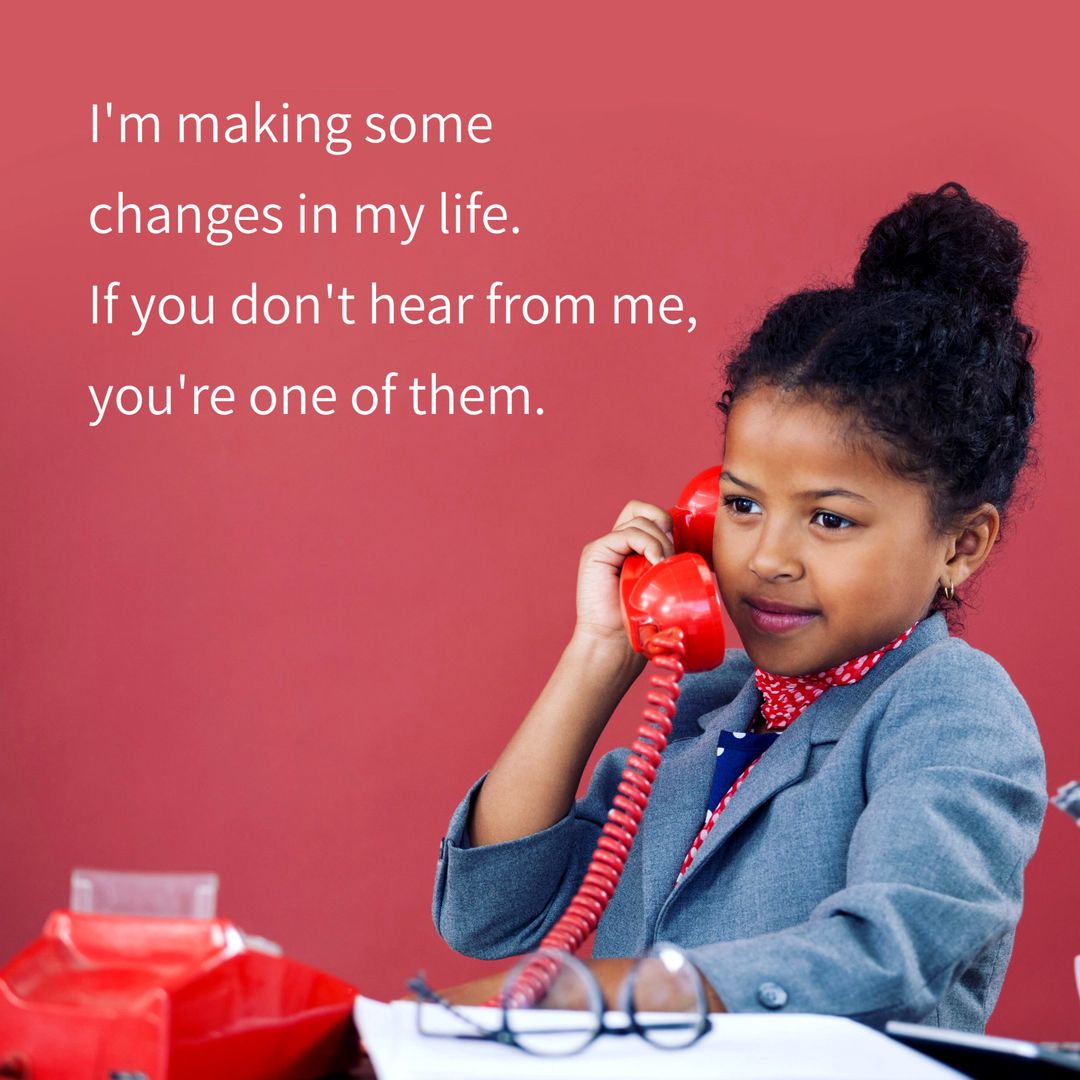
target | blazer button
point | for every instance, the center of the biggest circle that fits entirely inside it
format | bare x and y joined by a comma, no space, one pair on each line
772,996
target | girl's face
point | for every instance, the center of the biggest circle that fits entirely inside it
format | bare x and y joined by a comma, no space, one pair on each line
866,567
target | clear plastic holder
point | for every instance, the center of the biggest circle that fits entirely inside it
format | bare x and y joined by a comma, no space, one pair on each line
1067,799
121,892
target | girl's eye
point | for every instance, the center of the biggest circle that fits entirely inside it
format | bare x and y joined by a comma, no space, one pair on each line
832,520
730,502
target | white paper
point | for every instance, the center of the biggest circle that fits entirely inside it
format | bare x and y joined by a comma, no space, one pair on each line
740,1046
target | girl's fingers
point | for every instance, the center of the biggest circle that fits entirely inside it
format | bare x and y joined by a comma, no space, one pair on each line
635,508
653,528
613,548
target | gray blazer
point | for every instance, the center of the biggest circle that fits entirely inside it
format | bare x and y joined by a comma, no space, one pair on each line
870,866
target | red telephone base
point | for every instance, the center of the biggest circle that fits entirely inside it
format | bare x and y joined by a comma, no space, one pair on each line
98,996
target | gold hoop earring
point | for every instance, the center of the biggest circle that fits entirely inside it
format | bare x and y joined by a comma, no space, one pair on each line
950,592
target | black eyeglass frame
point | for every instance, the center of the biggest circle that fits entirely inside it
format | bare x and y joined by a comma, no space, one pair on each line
508,1037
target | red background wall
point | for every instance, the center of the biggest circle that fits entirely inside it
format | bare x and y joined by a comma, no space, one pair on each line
280,649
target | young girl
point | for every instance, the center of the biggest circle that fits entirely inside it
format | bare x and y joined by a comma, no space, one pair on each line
871,787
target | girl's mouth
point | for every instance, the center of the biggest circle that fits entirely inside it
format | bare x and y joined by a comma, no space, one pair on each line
771,622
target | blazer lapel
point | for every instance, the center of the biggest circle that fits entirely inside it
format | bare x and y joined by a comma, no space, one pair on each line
780,766
783,764
680,794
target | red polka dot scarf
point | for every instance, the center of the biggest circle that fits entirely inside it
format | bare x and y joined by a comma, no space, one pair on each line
784,699
786,696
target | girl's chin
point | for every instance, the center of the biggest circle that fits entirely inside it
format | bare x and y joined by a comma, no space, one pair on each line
778,656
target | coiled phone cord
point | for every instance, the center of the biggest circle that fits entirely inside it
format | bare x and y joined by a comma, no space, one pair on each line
666,649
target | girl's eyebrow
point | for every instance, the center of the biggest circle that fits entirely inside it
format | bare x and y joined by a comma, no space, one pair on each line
823,494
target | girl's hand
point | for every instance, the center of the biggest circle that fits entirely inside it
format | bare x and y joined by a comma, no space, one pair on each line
562,995
610,974
476,992
641,528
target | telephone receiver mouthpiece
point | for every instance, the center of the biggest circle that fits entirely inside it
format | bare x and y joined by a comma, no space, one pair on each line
678,592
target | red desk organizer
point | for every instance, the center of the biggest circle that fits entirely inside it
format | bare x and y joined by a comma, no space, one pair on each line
125,997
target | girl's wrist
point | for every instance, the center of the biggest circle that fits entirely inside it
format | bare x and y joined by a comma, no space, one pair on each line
611,973
606,654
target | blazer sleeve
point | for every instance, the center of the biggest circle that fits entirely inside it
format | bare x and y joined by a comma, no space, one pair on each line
499,900
955,789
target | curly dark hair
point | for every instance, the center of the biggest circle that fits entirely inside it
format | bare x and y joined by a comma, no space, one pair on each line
923,353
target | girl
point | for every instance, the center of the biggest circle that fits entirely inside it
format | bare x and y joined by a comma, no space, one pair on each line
871,787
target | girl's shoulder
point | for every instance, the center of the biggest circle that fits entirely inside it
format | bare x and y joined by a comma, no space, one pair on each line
952,671
960,703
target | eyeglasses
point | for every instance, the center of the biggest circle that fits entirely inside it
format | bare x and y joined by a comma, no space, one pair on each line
662,996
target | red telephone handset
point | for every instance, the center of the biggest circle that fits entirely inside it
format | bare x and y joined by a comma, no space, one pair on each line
672,613
680,591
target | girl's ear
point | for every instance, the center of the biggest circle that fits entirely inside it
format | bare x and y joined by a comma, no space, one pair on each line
971,543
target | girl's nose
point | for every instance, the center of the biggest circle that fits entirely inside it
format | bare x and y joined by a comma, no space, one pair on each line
776,555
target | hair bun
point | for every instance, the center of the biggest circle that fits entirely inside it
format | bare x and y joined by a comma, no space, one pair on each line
947,242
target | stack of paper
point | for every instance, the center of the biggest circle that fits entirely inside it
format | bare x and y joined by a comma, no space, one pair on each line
740,1046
